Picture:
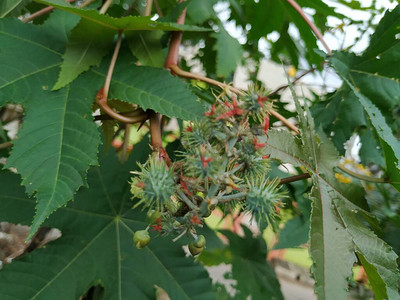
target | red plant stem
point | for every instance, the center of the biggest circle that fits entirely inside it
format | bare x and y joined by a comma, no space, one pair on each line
172,59
176,38
110,71
178,71
155,130
314,28
292,83
294,178
41,12
135,113
102,96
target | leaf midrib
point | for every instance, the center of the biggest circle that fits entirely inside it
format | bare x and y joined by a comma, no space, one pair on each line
73,260
61,139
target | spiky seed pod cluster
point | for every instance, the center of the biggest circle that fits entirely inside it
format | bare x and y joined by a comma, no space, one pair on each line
263,198
257,103
223,164
154,184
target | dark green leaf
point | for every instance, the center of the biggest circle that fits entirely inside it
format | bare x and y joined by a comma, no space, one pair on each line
58,140
378,87
150,88
87,45
8,7
229,52
199,11
255,277
124,23
96,246
55,146
146,47
385,34
294,234
333,241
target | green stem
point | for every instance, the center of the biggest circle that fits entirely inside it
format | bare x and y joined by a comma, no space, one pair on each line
228,198
360,176
314,28
185,199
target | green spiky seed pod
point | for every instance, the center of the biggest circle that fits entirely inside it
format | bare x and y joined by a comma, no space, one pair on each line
154,184
202,164
257,103
197,134
262,198
141,239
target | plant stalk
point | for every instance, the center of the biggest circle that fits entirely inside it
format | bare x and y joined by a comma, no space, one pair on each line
360,176
314,28
105,7
41,12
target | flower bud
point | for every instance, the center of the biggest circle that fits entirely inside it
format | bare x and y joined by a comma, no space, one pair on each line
152,216
200,242
141,238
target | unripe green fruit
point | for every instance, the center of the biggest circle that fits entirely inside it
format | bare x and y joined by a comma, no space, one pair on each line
152,216
141,238
195,250
200,242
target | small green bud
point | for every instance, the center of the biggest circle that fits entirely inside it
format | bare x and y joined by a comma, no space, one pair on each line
152,216
200,242
141,238
195,250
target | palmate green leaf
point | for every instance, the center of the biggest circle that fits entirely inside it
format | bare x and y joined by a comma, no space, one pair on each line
335,223
266,16
55,146
149,87
8,7
255,277
199,11
96,247
369,88
25,76
229,52
375,79
124,23
384,36
58,139
87,45
146,47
